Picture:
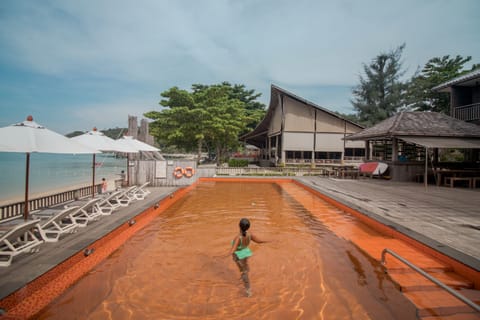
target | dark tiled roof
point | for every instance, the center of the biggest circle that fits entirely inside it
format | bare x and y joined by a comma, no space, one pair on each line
260,132
463,78
431,124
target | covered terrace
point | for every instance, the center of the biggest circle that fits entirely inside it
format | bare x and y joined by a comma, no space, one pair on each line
411,143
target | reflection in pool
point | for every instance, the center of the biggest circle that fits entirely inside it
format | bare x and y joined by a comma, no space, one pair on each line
172,270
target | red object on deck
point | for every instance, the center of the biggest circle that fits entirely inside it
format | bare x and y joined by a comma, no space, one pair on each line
368,167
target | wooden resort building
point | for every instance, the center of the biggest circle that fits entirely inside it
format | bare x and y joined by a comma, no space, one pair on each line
464,96
405,140
297,131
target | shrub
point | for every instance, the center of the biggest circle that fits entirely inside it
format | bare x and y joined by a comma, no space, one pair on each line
237,163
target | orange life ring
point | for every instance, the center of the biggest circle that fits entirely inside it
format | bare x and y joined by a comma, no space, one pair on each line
178,172
189,172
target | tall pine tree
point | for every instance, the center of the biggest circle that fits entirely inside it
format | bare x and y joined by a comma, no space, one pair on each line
380,93
436,71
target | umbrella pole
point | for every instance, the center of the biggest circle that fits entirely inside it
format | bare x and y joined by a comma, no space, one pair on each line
128,170
27,178
93,175
425,177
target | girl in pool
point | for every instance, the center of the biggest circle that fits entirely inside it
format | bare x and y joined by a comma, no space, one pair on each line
240,251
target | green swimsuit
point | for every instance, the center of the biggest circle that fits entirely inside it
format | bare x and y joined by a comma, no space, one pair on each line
243,252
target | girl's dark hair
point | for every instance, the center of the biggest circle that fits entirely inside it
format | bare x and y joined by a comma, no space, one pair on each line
244,225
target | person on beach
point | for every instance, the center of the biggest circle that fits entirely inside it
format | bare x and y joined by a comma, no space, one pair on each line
240,251
122,177
104,185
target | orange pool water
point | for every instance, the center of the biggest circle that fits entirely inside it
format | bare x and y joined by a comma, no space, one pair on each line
171,269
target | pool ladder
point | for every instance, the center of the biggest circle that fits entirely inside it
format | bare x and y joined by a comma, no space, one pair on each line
457,295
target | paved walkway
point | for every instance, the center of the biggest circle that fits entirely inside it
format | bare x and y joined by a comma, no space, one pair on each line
446,219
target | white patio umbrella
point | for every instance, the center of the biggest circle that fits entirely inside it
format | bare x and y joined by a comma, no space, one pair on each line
97,140
134,144
130,142
28,136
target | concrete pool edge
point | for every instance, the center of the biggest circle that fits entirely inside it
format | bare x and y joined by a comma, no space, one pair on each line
34,296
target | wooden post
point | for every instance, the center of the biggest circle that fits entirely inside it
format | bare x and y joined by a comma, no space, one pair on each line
425,177
27,175
93,176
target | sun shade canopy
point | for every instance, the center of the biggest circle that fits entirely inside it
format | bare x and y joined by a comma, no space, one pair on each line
134,144
98,140
29,136
444,142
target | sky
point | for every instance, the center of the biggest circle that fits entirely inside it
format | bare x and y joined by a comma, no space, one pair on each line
74,65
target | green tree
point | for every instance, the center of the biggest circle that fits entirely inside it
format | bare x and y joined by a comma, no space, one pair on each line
435,72
175,125
115,133
380,92
208,116
254,110
74,134
352,117
224,118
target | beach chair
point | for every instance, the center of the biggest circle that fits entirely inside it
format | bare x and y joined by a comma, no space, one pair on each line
17,240
139,193
86,212
58,224
108,204
124,198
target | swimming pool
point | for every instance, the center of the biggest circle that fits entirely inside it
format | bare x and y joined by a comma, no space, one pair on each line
172,269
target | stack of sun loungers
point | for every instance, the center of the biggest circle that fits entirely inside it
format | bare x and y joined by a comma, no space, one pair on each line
19,239
51,224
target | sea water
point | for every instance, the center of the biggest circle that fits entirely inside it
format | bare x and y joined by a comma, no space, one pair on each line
50,172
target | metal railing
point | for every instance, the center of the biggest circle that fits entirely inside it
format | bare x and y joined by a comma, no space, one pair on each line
468,112
346,159
270,171
457,295
16,209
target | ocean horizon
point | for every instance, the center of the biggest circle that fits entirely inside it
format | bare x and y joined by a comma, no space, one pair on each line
49,172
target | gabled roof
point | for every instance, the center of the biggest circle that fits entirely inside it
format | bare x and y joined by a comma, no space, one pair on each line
262,129
426,124
469,79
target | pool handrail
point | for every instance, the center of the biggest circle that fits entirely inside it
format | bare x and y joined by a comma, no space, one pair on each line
457,295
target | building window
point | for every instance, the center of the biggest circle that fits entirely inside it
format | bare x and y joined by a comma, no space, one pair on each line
354,153
382,150
328,155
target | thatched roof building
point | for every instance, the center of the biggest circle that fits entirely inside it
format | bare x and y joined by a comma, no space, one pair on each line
419,124
428,125
401,139
464,94
295,131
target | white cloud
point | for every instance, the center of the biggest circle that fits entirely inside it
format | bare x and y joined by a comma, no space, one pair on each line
158,44
301,41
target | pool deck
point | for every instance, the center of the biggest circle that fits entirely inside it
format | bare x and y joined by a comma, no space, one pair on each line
28,267
447,219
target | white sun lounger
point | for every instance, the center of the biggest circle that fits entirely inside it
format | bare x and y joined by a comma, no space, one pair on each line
87,212
19,239
139,193
108,204
58,224
124,197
